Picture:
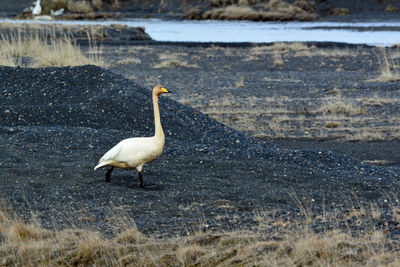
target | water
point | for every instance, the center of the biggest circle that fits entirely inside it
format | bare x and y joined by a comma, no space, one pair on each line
382,34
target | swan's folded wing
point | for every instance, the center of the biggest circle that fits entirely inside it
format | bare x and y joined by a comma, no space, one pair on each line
112,153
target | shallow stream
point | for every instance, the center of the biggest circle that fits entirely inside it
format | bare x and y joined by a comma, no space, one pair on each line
379,33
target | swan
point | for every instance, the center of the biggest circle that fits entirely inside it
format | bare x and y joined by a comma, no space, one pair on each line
57,12
135,152
37,9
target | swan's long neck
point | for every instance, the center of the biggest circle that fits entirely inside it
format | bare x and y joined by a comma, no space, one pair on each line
159,133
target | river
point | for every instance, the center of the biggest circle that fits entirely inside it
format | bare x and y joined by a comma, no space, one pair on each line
378,33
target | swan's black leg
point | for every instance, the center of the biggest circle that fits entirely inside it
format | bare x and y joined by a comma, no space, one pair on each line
108,174
143,185
141,179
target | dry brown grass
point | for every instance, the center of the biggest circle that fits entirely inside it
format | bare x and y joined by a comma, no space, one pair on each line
278,61
116,5
40,50
129,60
279,46
243,10
341,106
6,59
292,46
332,53
286,80
173,60
274,242
61,53
240,83
79,6
389,68
331,117
97,4
391,8
300,49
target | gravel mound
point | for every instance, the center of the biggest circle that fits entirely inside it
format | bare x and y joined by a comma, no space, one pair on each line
57,122
78,33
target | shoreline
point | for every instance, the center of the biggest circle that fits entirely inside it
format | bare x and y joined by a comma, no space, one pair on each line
160,32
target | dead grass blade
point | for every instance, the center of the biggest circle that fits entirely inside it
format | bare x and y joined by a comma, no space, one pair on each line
271,243
389,69
38,46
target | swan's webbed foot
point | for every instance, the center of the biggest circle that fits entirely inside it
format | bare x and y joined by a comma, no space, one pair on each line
108,174
149,186
143,185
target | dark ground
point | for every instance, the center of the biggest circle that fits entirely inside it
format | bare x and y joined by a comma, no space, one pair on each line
241,86
57,122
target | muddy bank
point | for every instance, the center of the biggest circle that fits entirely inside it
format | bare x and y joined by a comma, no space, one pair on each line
221,10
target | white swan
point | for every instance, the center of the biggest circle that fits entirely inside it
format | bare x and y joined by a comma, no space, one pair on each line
37,10
135,152
57,12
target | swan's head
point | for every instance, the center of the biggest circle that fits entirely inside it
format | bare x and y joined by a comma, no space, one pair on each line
158,90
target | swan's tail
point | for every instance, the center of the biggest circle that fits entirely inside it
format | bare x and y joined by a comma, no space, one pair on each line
102,164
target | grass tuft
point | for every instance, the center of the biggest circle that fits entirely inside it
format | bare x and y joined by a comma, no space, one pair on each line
332,125
173,61
338,106
97,4
256,10
38,47
91,249
189,254
389,69
131,235
61,53
79,7
20,232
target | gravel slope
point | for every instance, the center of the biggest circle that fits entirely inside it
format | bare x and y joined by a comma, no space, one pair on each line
319,95
56,123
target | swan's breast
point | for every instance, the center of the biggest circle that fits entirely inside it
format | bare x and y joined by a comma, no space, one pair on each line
152,152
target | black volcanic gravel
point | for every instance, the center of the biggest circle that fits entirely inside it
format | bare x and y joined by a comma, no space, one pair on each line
56,123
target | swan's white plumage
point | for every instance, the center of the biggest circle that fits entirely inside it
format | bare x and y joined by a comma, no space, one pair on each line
37,10
135,152
57,12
